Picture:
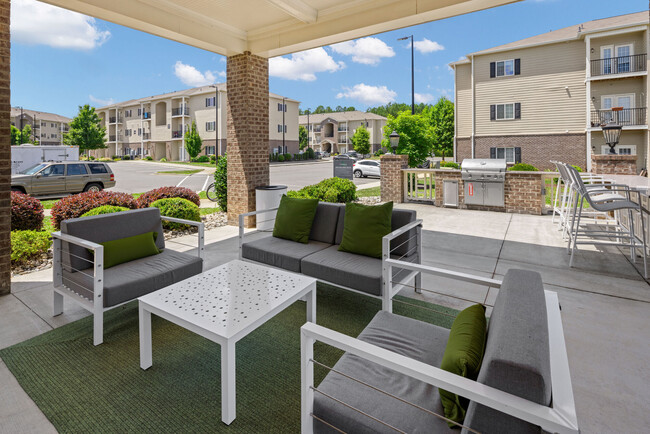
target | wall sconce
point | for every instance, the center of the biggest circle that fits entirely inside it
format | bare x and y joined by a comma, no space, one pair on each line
592,51
593,99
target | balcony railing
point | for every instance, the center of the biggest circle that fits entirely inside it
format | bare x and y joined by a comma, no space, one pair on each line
343,128
317,129
113,120
111,138
624,117
619,65
180,111
146,136
177,134
146,115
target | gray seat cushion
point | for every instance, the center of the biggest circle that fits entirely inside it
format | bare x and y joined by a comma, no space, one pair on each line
324,227
133,279
516,356
279,252
414,339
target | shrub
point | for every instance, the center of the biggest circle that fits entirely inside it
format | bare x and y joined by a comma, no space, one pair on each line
578,168
116,157
328,190
76,205
523,167
163,160
26,212
83,158
91,158
105,159
104,209
202,159
126,157
221,183
310,153
449,164
148,158
280,158
146,199
179,208
26,245
287,157
213,158
379,152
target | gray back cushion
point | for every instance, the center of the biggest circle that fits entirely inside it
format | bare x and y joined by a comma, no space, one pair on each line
516,356
339,225
324,227
108,227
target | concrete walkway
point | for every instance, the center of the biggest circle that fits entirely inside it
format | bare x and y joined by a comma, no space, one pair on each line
605,308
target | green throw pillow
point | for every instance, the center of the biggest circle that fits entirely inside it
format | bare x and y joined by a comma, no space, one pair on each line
364,227
463,356
295,218
129,249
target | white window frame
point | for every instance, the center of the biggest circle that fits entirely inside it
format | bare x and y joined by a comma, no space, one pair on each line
604,149
505,154
210,126
496,111
496,68
615,98
613,68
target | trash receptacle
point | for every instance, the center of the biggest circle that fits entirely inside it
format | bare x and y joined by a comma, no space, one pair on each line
266,197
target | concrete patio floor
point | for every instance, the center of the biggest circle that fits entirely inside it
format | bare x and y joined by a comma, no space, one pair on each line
605,308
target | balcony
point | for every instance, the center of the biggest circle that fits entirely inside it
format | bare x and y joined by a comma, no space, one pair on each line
146,115
111,138
177,134
146,136
619,65
624,117
181,111
317,129
115,120
343,128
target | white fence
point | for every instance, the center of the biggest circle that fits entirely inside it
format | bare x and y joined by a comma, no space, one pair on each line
419,185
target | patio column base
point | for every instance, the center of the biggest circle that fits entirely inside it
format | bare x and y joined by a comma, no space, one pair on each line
392,179
613,164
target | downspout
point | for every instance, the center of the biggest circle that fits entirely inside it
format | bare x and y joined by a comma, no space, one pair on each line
455,118
473,112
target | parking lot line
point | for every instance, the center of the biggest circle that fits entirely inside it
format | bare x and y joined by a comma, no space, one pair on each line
182,180
205,185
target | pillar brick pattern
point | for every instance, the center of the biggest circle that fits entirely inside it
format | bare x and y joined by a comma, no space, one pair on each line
5,151
248,132
605,164
392,179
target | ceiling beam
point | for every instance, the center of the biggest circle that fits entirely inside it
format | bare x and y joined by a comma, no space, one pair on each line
297,9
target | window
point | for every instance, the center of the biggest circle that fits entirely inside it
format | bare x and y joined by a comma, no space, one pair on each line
279,128
43,124
127,113
502,112
505,68
210,126
139,112
139,131
77,169
53,125
511,155
97,168
210,150
210,102
54,136
53,170
282,107
616,58
620,149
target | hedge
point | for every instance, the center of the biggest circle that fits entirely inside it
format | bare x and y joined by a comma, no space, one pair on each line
26,212
523,167
178,208
328,190
76,205
104,209
146,199
26,245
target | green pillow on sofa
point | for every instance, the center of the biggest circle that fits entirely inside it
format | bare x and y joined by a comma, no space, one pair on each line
463,356
129,249
295,218
364,227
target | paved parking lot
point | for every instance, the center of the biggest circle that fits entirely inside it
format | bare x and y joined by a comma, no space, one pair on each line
141,176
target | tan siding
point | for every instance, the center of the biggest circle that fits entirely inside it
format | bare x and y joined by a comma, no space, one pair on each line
463,100
547,106
635,38
633,85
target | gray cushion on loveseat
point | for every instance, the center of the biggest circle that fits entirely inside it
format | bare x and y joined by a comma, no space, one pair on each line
411,338
516,356
132,279
324,227
279,252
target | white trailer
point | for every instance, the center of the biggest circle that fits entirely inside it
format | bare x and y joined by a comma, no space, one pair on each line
25,156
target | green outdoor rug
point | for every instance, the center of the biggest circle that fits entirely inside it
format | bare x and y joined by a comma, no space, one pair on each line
82,388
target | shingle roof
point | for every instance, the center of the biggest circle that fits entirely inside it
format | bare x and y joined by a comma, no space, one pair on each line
340,117
45,116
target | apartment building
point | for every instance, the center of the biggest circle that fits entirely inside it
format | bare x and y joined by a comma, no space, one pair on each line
331,132
47,128
546,97
156,125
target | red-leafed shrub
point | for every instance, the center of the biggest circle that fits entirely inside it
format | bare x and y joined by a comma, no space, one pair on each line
74,206
26,212
146,199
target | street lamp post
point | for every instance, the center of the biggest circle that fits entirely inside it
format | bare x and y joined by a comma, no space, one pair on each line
412,73
284,128
612,134
394,141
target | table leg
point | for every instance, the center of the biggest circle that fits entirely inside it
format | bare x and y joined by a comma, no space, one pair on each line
145,338
311,304
228,384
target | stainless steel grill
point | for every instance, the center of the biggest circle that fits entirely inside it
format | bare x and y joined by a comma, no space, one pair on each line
483,181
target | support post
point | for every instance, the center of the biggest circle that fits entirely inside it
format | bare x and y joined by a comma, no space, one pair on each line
5,151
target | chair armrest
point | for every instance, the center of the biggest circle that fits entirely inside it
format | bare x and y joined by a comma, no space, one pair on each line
76,240
397,232
97,262
241,224
177,220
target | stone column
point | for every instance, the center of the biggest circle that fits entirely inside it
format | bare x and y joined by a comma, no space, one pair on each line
392,179
5,152
248,132
611,164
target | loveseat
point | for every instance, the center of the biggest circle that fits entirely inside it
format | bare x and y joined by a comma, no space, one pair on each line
320,257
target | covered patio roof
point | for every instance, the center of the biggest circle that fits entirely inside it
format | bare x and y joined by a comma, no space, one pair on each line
269,28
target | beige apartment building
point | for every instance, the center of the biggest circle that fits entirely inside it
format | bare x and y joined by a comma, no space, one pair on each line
545,97
331,132
47,128
155,125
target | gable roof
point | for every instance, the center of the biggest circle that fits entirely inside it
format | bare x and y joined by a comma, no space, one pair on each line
354,115
44,116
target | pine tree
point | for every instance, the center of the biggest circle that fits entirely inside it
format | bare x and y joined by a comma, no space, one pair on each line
361,140
193,142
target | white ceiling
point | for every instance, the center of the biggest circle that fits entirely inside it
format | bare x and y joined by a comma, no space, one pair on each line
270,27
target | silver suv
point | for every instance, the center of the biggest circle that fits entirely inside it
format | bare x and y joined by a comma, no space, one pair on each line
63,177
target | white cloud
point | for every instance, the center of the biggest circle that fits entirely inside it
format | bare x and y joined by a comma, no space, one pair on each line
191,76
368,94
304,65
36,23
426,46
101,102
425,98
368,51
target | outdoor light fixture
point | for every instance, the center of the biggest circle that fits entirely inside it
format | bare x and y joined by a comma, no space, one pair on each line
394,141
612,133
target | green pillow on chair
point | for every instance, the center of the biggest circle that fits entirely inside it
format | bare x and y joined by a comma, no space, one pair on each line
364,227
129,249
294,219
463,356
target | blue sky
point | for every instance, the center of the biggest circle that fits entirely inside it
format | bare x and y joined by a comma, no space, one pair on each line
60,60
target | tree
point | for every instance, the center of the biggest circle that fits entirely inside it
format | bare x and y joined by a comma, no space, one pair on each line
221,183
361,140
303,137
193,142
414,136
15,136
25,136
86,131
394,109
440,118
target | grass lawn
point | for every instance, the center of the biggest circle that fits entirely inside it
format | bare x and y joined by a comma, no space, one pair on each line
206,211
188,163
367,192
48,204
179,172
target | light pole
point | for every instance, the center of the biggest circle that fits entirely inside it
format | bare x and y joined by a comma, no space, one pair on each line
217,142
308,129
284,127
412,73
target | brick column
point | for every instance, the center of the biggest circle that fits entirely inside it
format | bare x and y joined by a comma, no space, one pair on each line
608,164
248,132
5,152
392,179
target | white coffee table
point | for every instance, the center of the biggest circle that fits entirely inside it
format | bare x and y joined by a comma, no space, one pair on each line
225,304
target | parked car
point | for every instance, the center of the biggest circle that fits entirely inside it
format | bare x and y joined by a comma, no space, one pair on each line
326,154
353,155
63,177
366,168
